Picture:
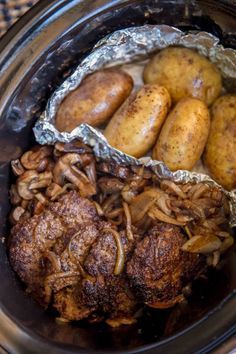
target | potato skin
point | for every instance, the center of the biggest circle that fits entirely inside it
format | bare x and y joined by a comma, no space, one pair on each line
220,154
95,100
134,128
183,135
184,73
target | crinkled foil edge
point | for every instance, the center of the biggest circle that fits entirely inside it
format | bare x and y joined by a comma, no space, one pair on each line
125,46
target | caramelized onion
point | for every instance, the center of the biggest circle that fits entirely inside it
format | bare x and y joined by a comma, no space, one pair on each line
226,244
117,221
129,232
202,188
68,248
98,208
54,277
142,203
183,218
223,234
162,204
202,244
174,188
117,322
62,320
55,261
155,213
108,204
120,258
85,275
188,232
216,258
114,213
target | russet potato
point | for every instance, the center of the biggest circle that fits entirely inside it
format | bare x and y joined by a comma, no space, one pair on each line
184,134
95,100
135,126
220,154
184,73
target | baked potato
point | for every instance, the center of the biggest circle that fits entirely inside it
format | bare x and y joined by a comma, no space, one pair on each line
95,100
220,154
184,134
184,73
134,128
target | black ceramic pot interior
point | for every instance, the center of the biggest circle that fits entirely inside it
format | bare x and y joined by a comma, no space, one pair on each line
56,61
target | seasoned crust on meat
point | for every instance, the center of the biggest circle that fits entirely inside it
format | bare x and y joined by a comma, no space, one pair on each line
159,270
32,238
101,291
111,293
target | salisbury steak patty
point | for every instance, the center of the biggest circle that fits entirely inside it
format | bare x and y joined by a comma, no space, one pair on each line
44,236
159,270
108,292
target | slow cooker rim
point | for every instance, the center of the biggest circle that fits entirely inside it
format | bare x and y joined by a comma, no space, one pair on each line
3,43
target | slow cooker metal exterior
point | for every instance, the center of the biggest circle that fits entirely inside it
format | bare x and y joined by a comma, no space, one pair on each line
35,57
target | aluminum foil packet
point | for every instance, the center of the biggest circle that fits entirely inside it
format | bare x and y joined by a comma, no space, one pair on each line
130,48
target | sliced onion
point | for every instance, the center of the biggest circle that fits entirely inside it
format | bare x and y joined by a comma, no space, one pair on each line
115,213
226,244
117,221
218,220
142,203
162,204
68,248
202,188
108,204
55,261
210,224
223,234
98,208
186,187
155,213
85,275
62,320
129,232
120,258
216,258
202,244
54,277
183,218
117,322
188,232
174,188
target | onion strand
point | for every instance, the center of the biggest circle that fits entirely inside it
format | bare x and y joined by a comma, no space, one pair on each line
129,232
120,258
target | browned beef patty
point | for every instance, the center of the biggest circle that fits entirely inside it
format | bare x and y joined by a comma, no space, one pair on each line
54,228
110,293
159,269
